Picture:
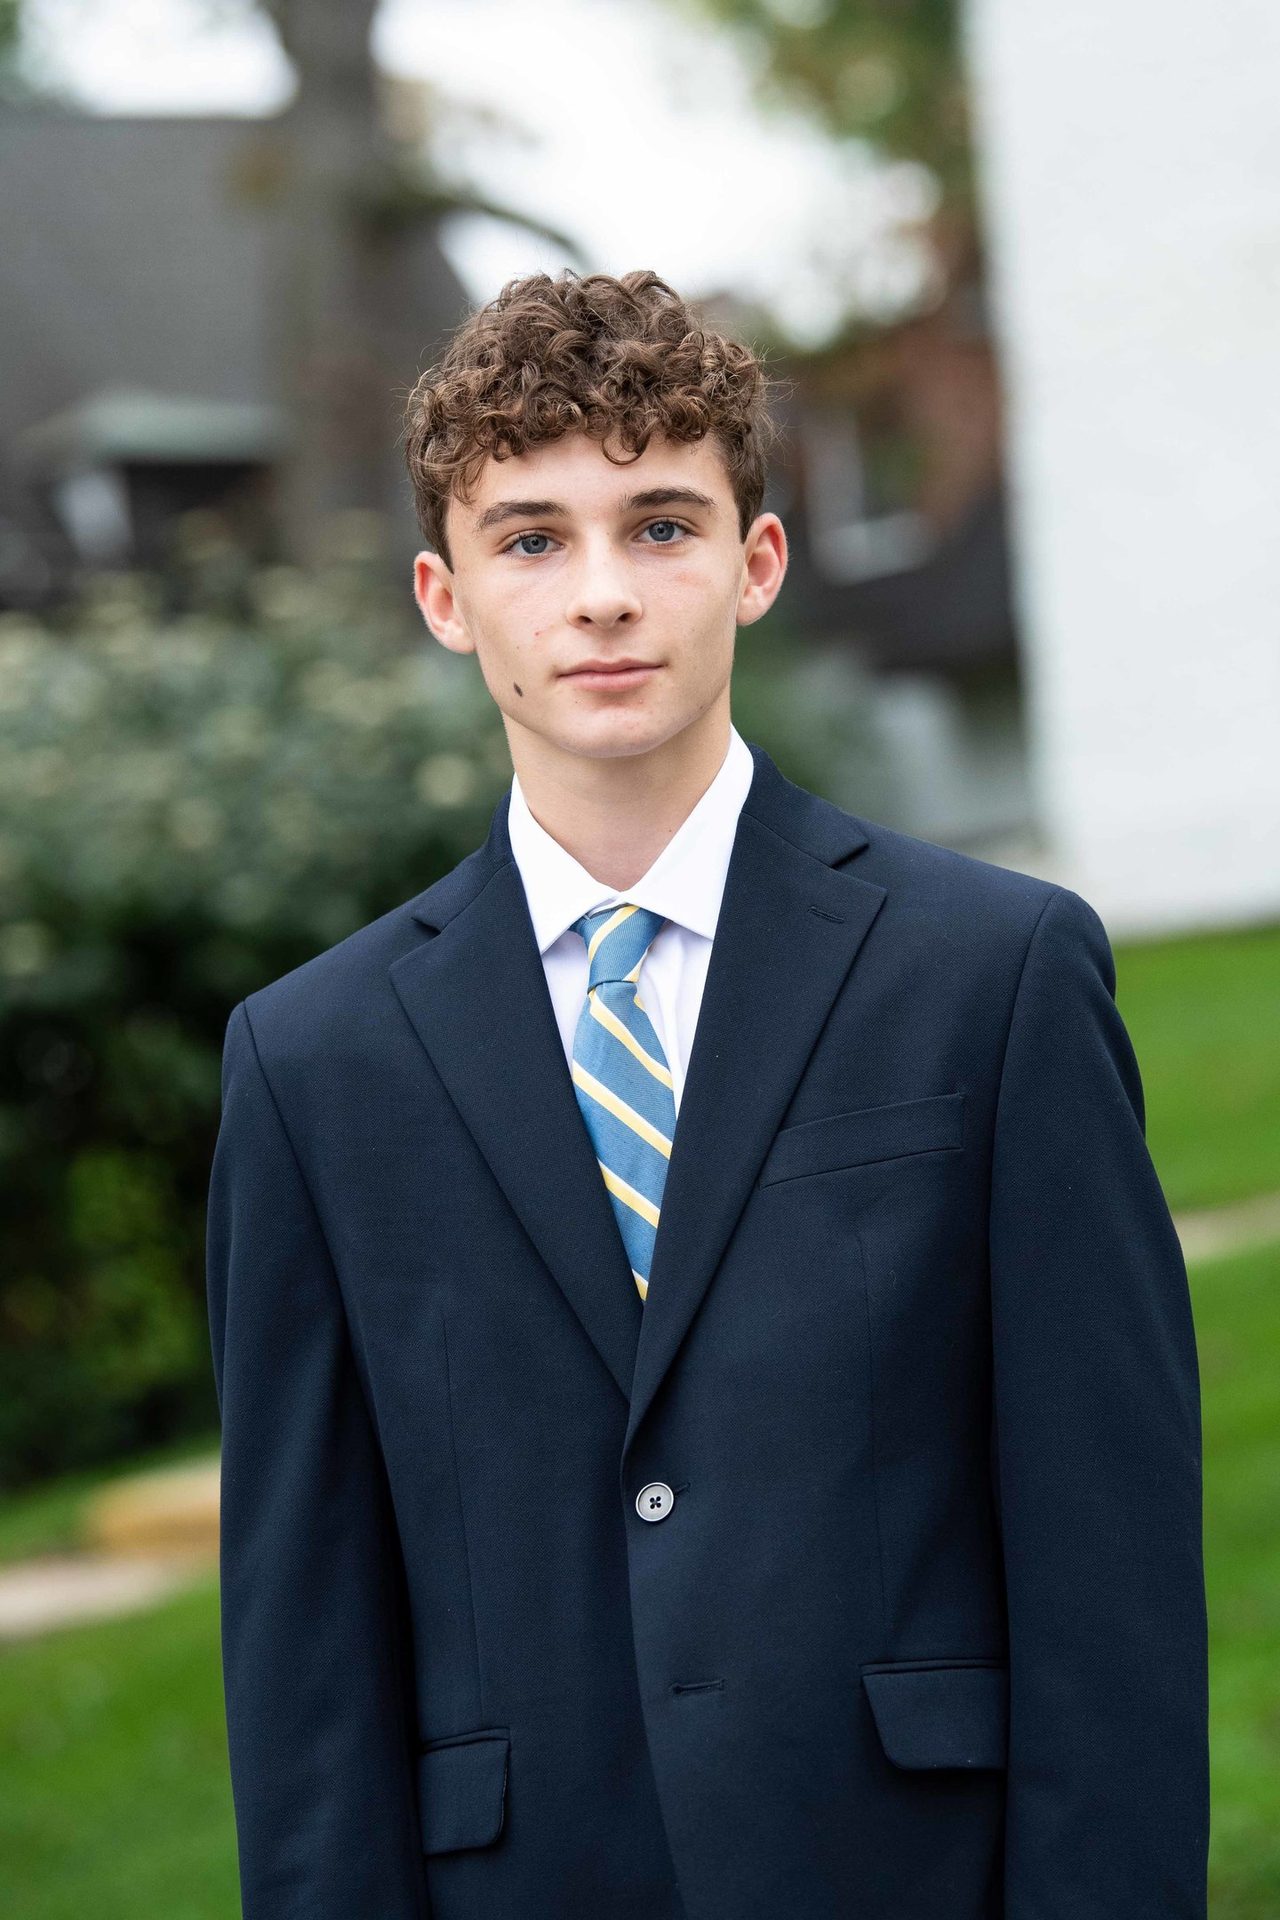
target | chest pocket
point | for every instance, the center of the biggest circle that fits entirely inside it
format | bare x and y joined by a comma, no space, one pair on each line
932,1125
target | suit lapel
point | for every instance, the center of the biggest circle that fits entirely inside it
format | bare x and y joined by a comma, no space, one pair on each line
788,930
790,925
477,996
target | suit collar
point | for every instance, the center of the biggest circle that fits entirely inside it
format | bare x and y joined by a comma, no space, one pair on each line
791,922
812,825
684,884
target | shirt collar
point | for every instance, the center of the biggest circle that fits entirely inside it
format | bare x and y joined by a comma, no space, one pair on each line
684,884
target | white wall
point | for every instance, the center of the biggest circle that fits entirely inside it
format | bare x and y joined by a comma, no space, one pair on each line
1130,157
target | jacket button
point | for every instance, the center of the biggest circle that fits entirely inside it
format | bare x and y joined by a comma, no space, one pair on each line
655,1501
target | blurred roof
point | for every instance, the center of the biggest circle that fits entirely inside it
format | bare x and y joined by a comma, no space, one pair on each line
123,425
138,261
131,260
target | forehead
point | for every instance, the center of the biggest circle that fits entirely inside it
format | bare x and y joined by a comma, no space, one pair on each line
575,472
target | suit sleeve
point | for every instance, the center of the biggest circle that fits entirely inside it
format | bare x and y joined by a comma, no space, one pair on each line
312,1622
1096,1455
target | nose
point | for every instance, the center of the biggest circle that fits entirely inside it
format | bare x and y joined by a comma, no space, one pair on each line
603,594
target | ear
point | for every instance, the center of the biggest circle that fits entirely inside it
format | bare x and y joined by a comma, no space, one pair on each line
764,566
433,589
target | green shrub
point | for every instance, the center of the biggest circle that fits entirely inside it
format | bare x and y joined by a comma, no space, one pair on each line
189,806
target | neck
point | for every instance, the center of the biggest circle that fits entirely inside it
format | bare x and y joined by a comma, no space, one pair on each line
616,814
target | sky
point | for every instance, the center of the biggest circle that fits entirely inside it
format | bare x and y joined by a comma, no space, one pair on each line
634,129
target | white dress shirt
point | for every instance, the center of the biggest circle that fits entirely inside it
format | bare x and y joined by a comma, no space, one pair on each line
685,885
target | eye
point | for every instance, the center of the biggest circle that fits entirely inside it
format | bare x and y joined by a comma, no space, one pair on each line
676,526
512,545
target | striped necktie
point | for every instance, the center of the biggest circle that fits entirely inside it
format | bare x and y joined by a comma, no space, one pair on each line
621,1077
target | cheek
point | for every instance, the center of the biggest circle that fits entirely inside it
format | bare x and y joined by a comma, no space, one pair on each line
695,587
513,621
698,601
687,579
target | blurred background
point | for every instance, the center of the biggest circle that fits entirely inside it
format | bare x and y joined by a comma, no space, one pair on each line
1018,268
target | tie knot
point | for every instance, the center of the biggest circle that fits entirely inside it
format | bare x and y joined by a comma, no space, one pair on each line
617,939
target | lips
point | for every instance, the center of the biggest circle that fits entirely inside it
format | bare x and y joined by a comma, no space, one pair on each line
609,666
614,677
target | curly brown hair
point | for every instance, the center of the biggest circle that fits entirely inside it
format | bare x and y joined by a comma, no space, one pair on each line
616,358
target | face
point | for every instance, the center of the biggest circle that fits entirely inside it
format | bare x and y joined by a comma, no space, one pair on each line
564,561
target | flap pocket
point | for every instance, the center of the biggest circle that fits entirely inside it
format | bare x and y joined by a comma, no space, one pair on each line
944,1714
863,1135
462,1789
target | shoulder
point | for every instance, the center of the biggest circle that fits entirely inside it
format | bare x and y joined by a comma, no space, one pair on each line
994,905
932,888
336,1000
990,929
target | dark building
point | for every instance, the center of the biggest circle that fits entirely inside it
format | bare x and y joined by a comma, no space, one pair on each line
136,326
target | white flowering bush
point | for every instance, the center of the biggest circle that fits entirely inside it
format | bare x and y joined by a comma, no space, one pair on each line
256,784
189,806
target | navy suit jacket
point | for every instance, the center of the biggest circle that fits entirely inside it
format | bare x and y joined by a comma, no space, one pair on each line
922,1636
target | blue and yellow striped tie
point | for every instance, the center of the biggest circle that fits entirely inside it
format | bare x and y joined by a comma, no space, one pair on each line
621,1077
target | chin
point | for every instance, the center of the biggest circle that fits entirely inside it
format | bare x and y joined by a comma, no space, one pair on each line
616,738
615,722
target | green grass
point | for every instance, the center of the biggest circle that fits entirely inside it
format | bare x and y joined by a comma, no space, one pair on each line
114,1793
1204,1016
114,1796
1237,1311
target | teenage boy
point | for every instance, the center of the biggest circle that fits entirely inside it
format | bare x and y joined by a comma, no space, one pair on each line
794,1510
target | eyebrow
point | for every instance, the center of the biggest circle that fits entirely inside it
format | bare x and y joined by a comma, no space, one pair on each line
503,510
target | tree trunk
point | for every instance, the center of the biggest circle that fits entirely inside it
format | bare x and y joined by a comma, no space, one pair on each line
335,386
